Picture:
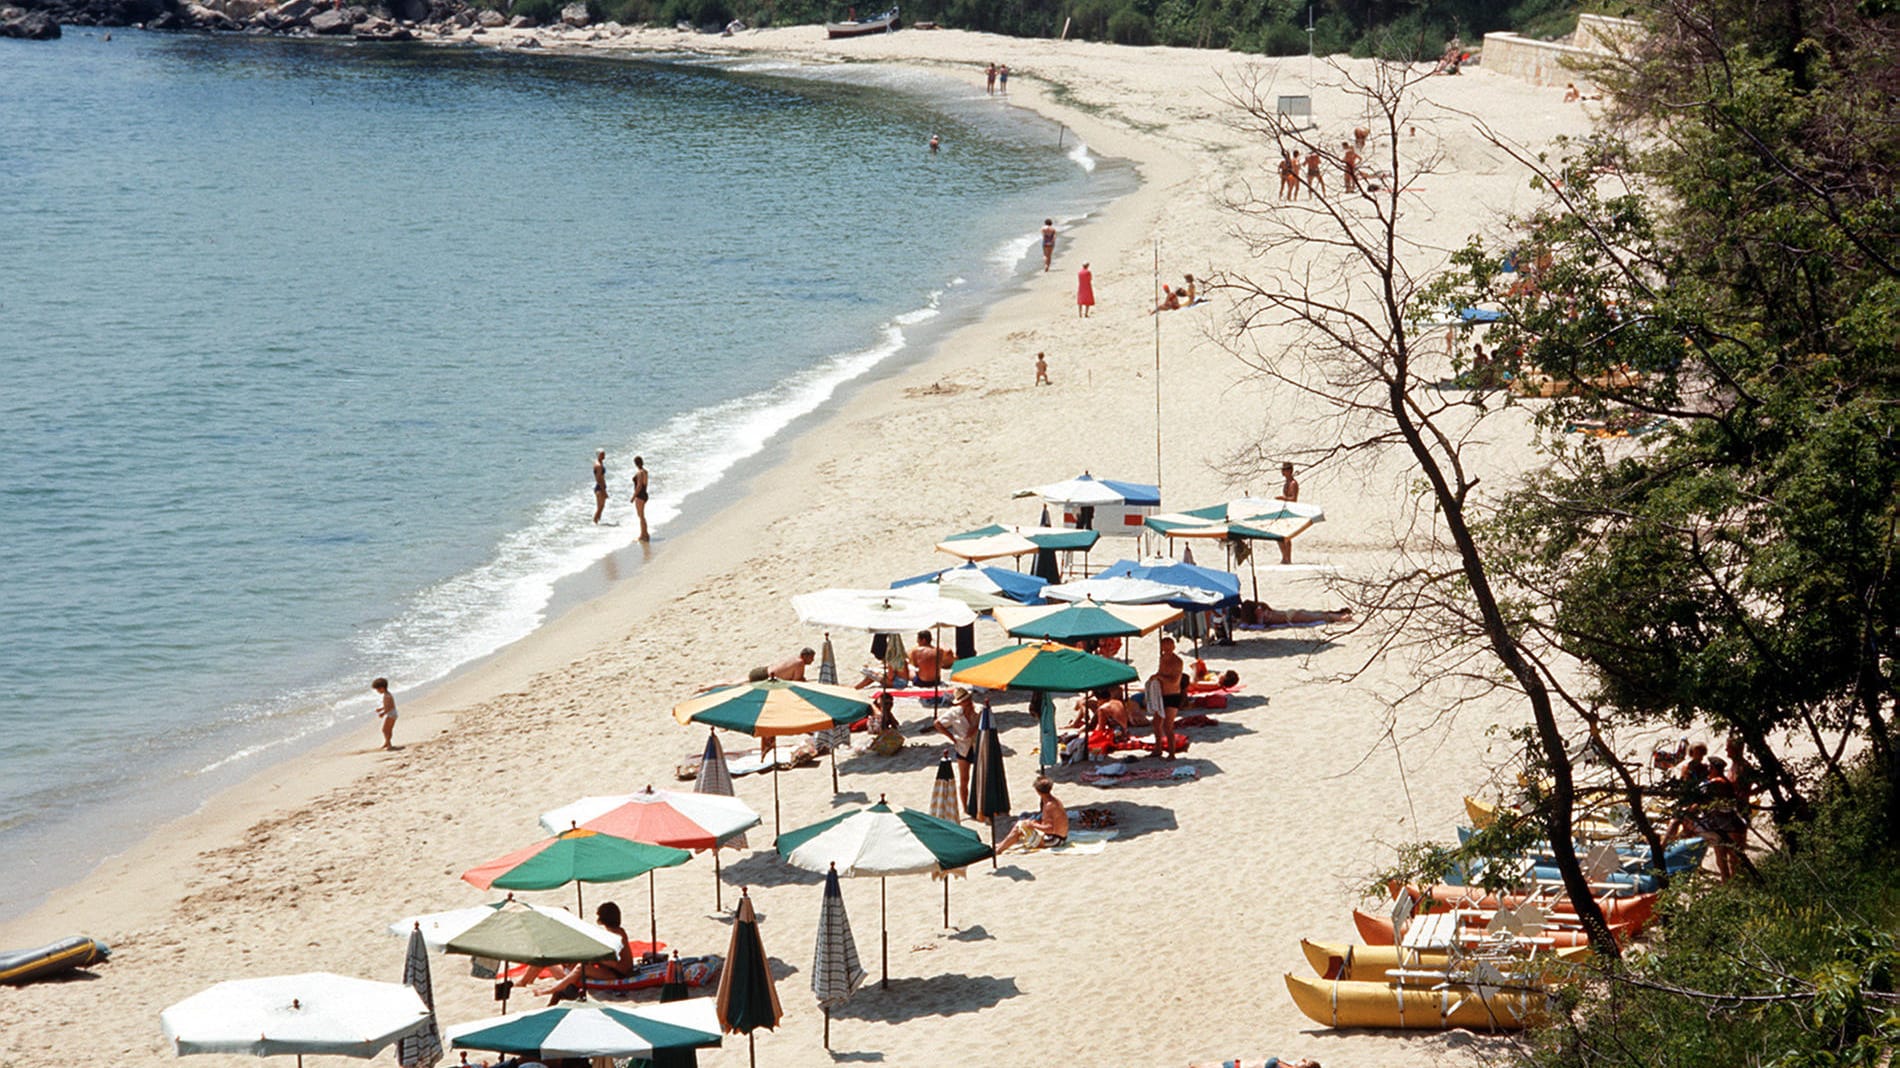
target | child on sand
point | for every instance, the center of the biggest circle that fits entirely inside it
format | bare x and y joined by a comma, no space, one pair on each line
386,711
1042,370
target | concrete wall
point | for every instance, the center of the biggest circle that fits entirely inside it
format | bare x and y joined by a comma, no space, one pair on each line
1553,62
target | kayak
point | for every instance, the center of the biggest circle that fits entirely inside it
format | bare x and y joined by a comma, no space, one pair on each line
1377,931
65,955
1353,1003
1335,960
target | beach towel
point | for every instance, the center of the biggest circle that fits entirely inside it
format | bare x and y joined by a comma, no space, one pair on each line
1085,843
699,971
1196,720
1148,774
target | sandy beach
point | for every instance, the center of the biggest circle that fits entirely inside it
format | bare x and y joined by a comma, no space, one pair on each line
1167,946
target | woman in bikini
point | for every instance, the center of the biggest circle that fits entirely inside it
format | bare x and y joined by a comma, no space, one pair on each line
639,494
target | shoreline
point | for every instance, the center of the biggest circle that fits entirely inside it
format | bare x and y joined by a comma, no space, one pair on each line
299,870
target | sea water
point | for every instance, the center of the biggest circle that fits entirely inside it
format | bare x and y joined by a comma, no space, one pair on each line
305,350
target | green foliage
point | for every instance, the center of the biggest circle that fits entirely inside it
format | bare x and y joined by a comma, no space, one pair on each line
1795,971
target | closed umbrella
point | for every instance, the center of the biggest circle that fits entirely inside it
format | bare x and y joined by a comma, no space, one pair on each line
423,1048
1042,670
772,709
747,999
881,842
944,806
835,971
574,856
673,987
595,1030
315,1012
661,817
716,779
835,737
989,788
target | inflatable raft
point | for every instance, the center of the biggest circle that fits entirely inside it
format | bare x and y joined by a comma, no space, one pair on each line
1352,1003
65,955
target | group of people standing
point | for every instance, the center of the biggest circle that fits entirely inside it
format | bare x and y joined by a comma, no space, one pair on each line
640,490
1297,172
996,79
1714,795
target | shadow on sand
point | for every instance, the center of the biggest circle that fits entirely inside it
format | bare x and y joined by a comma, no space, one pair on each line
935,995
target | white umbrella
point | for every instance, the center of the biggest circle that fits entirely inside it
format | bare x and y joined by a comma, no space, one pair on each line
1084,491
882,611
440,928
620,1030
315,1012
1127,591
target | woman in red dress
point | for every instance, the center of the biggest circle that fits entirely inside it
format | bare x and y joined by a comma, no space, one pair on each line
1084,291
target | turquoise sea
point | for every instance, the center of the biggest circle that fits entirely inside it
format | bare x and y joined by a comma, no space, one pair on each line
305,349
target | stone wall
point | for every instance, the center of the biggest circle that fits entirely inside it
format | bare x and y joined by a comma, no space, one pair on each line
1555,62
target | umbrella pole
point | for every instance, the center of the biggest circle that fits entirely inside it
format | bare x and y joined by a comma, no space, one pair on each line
653,914
992,820
776,824
751,1050
834,769
579,909
884,929
716,887
827,1027
946,900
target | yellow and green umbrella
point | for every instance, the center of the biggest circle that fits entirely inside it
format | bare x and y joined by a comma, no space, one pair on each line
1042,670
773,708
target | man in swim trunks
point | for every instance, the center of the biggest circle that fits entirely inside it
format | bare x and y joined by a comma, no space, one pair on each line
1289,491
793,668
925,666
385,710
639,494
600,483
1048,242
1173,675
1048,829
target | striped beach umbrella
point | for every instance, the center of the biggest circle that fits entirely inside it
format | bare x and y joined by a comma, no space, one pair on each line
595,1030
836,973
1042,670
694,821
574,856
716,779
839,736
944,806
747,999
424,1048
1085,619
772,709
882,842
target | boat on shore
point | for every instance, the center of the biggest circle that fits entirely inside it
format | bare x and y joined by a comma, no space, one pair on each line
884,23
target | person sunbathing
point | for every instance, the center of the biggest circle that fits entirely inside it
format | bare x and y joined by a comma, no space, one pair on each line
1047,829
1170,299
1270,1062
620,966
1262,614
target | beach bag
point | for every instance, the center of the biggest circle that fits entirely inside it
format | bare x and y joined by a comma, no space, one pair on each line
888,743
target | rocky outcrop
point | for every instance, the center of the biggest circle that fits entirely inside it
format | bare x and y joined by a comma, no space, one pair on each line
490,19
98,12
575,15
28,25
341,20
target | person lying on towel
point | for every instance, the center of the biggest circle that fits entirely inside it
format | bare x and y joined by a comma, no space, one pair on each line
1047,829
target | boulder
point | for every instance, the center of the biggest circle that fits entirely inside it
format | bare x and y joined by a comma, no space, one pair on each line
296,12
492,19
201,17
333,22
522,22
463,18
575,14
30,26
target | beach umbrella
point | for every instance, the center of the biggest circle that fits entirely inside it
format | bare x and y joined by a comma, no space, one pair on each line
882,611
1183,575
944,806
989,788
595,1030
716,779
1123,589
423,1048
574,856
673,987
747,999
661,817
772,709
996,541
982,588
835,971
1083,620
836,737
881,842
315,1012
519,933
438,929
1042,670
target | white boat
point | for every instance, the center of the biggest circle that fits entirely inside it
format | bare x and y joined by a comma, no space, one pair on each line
884,23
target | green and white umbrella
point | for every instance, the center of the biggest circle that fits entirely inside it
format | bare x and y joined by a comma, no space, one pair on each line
1084,619
595,1030
879,841
773,709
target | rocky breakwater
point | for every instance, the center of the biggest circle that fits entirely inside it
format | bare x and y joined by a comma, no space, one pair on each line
387,20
